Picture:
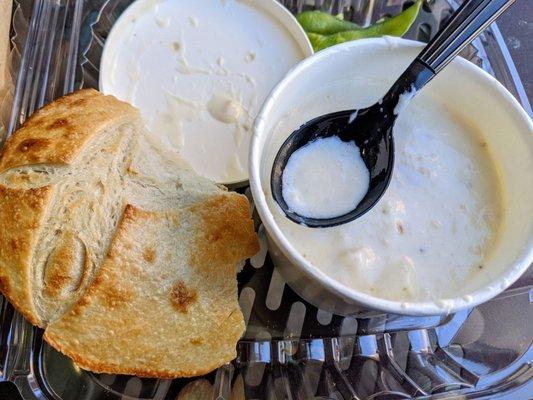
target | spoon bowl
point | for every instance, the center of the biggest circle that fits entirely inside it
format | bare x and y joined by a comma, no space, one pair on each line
377,154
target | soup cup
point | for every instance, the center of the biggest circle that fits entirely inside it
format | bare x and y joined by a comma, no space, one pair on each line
481,100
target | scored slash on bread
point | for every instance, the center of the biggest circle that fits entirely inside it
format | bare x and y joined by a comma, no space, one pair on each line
115,247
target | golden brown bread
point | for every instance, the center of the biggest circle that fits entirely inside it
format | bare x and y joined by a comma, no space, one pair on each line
58,133
52,137
125,256
22,213
114,313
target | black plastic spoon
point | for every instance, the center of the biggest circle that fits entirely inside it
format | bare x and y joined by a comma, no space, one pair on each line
371,128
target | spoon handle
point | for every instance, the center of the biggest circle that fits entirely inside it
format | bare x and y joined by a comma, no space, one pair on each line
470,19
463,26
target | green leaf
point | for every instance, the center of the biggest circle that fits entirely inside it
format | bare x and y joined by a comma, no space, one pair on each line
395,26
323,23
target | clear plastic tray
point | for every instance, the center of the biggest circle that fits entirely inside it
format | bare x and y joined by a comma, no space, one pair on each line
291,350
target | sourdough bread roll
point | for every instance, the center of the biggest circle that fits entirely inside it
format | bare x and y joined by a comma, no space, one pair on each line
113,245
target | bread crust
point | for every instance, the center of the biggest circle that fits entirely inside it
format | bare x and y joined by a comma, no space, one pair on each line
22,213
56,134
213,236
156,296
